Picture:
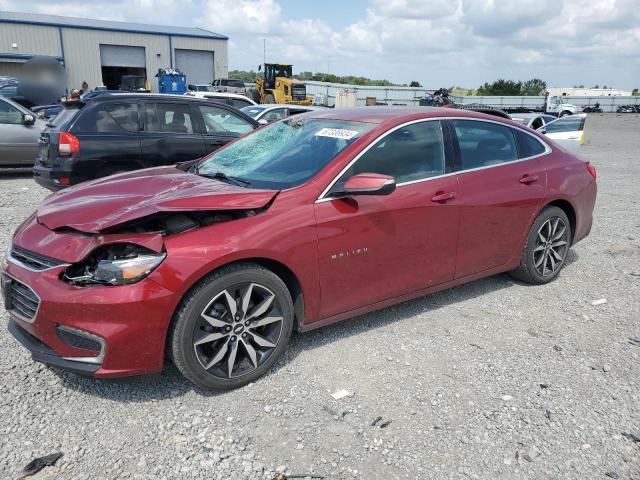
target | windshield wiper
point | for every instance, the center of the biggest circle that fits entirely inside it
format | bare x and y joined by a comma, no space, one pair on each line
225,178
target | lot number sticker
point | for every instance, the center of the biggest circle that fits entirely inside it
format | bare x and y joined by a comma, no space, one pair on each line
337,133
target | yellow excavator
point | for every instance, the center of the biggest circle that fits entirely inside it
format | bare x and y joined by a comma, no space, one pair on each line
277,85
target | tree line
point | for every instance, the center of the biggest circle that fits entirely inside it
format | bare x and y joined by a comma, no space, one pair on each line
500,87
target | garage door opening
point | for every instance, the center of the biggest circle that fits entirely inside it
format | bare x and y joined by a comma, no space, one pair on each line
123,67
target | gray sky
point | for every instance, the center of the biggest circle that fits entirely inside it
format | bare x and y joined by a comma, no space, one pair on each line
437,42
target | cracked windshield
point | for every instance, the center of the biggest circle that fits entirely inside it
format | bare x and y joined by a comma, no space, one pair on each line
284,154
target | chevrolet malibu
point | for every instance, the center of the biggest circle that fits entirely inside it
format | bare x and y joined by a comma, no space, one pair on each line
305,222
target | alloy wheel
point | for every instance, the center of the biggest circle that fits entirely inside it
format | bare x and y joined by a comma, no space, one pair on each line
551,246
238,330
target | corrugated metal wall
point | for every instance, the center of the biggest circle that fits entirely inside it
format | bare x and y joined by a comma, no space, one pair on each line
30,40
81,49
82,53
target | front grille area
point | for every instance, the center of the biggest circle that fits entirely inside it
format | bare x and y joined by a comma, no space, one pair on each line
77,340
31,260
22,300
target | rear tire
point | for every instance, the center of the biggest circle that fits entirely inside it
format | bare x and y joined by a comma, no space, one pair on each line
564,113
546,249
232,327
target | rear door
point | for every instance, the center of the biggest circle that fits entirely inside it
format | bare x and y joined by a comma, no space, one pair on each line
170,133
567,131
502,184
220,125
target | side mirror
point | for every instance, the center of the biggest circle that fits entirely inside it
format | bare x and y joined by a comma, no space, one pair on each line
263,121
28,119
369,184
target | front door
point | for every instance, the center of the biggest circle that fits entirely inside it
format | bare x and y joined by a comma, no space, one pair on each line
169,134
220,126
18,142
374,248
502,185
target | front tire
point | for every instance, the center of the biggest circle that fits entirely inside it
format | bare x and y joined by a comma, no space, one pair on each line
232,327
564,113
546,249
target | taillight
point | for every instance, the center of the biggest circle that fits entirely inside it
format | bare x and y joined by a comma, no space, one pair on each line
592,170
68,144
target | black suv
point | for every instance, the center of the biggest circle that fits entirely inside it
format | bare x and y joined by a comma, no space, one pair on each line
117,132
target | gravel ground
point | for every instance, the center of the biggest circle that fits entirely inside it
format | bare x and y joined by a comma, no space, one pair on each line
490,380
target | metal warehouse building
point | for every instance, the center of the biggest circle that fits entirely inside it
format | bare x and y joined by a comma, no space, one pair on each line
100,52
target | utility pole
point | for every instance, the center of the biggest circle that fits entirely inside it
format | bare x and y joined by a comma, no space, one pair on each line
264,50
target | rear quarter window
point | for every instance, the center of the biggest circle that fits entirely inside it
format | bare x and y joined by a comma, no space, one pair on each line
528,145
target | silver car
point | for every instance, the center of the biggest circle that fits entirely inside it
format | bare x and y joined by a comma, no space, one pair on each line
19,134
270,112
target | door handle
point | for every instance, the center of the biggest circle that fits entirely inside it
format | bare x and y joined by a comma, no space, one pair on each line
527,179
216,142
443,196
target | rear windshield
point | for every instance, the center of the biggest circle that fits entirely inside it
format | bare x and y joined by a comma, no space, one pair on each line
64,116
252,111
233,83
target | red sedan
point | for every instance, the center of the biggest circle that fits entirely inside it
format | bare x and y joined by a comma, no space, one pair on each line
299,224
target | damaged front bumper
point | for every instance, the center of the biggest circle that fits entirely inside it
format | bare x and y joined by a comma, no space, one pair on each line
102,331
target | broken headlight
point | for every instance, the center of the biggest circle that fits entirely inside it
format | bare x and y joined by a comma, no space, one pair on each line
119,264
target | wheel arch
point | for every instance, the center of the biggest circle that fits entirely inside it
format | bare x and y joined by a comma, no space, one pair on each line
285,273
569,210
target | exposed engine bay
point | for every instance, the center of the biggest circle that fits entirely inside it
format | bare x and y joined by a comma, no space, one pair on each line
123,261
172,223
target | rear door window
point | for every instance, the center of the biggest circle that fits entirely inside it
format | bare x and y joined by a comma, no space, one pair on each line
117,117
169,117
484,144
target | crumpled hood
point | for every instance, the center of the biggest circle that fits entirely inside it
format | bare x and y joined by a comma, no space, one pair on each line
101,204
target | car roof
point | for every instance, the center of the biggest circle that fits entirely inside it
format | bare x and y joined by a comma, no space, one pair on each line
157,96
385,114
271,106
